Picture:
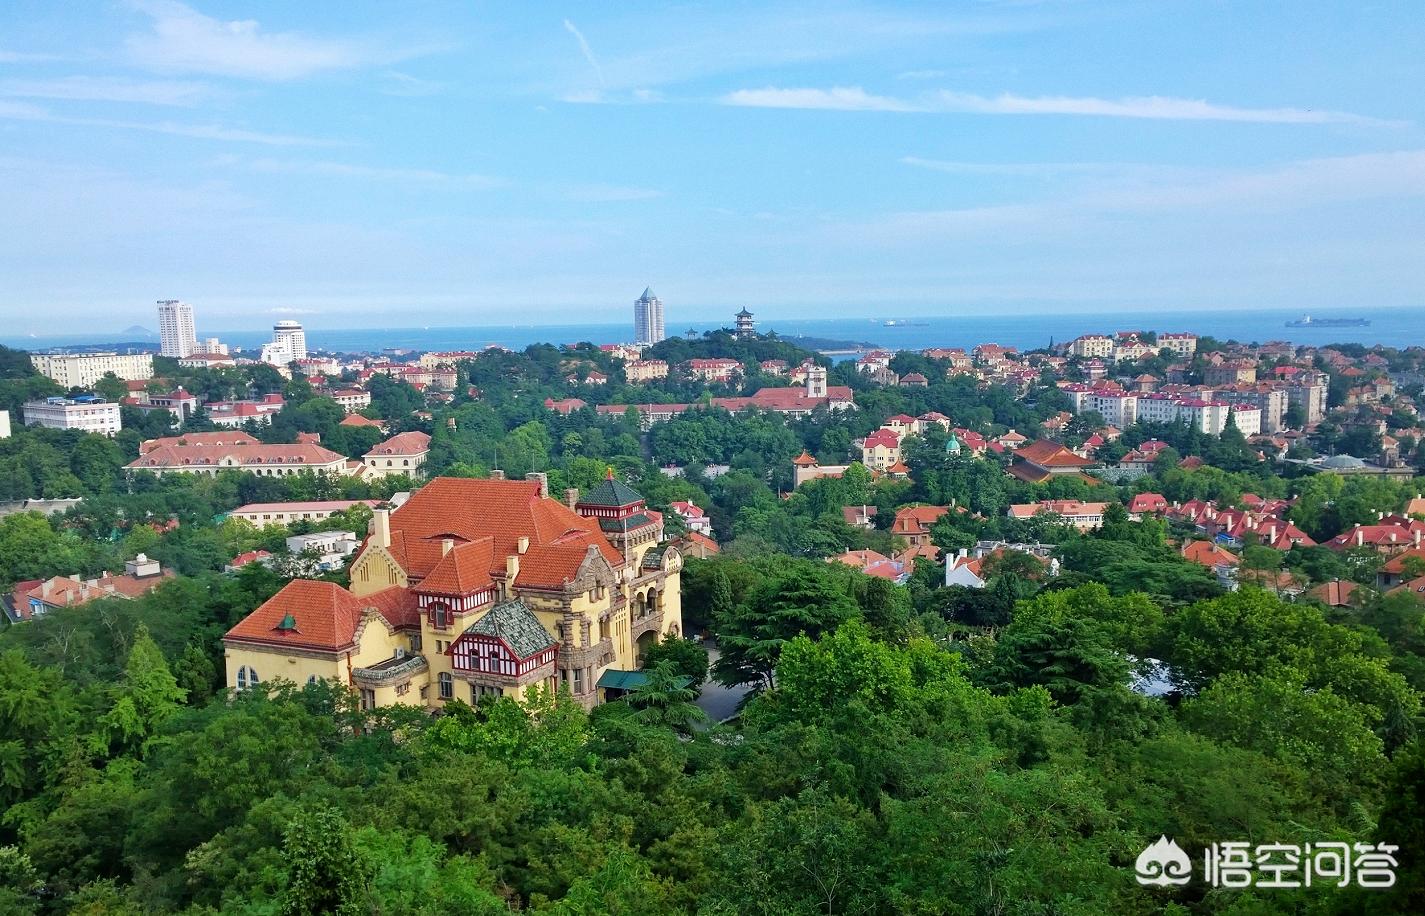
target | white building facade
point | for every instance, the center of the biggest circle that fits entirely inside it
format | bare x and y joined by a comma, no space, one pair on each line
82,370
92,415
648,319
176,334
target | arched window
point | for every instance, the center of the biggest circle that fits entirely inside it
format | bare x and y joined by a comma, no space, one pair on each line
447,685
312,680
246,677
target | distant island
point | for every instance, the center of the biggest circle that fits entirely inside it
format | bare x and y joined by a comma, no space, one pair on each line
829,344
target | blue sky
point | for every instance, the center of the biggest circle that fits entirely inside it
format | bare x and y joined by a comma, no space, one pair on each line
466,163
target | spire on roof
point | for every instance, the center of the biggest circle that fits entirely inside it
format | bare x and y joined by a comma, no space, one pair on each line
648,293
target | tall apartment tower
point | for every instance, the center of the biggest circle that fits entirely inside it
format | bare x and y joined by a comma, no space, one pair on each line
176,335
290,335
648,319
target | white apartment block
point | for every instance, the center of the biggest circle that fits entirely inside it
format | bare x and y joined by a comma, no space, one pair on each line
92,415
4,424
176,335
1092,346
352,399
1208,416
1126,351
1311,398
1184,345
645,370
82,370
264,514
1118,408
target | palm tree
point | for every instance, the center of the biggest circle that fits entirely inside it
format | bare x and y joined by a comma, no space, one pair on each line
665,699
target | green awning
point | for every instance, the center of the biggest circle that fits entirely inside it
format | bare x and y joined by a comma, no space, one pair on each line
615,679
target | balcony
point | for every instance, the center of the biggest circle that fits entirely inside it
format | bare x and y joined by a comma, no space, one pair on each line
391,670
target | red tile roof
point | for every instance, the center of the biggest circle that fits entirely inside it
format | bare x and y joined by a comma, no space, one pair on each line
177,456
412,443
504,511
885,438
213,438
1206,553
1336,593
1047,453
325,615
917,519
464,570
398,605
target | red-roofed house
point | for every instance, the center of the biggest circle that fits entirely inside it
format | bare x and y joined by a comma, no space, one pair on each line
913,523
492,585
35,597
264,460
1083,516
1043,458
881,449
403,453
694,518
1147,504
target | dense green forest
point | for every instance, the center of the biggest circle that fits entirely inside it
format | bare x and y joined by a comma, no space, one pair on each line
885,771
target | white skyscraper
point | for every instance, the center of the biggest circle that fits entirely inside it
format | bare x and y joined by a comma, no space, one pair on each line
648,319
176,335
289,342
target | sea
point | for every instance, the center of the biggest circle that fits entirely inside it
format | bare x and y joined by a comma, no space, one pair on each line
1396,327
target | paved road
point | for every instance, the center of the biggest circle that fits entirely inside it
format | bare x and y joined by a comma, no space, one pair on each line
719,702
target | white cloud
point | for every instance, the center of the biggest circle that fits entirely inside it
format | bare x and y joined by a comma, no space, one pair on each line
588,51
20,111
1153,107
184,40
602,193
1153,193
854,98
403,84
847,98
107,89
447,180
23,57
956,167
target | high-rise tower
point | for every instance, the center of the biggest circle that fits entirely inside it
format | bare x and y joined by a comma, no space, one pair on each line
176,336
289,342
647,319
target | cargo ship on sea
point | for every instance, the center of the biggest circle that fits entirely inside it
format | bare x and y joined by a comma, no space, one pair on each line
1306,321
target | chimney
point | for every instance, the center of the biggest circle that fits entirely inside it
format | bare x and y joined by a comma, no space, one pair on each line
1360,537
512,571
522,545
381,528
497,474
542,479
571,497
1417,537
446,545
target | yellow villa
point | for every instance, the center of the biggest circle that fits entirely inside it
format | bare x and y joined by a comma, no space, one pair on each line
475,588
